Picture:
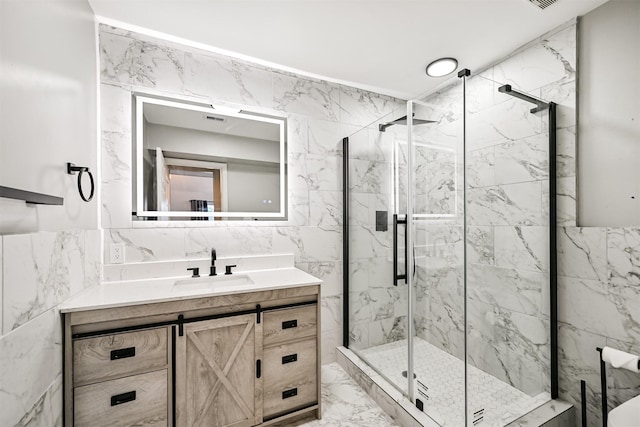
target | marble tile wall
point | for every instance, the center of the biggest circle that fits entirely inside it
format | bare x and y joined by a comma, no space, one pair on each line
319,115
39,271
598,305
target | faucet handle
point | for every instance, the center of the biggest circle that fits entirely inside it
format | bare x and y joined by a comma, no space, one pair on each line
196,271
227,269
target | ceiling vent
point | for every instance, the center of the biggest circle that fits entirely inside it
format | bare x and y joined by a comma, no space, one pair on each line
542,4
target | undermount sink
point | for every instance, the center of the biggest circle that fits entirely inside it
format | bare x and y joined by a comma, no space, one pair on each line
212,282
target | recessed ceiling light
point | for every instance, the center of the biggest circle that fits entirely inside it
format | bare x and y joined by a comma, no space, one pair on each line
442,67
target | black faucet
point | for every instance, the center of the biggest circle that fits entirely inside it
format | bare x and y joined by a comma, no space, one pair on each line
228,268
212,269
195,270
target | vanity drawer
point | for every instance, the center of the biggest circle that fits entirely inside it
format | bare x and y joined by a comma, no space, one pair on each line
289,324
136,400
114,355
290,376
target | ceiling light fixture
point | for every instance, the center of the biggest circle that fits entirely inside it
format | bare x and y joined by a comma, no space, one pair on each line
442,67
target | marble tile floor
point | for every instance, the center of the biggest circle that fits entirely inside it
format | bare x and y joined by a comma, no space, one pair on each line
344,404
440,383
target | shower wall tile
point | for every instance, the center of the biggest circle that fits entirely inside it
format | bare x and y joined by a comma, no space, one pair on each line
370,177
217,77
515,290
358,334
481,168
513,204
387,330
523,248
359,274
135,62
383,144
480,245
523,160
366,243
480,92
582,253
434,169
509,120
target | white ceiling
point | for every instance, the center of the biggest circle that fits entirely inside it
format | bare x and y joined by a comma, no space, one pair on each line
372,44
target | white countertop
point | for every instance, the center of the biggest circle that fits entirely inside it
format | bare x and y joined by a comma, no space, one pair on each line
148,291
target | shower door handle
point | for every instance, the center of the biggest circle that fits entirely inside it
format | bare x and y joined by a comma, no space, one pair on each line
397,276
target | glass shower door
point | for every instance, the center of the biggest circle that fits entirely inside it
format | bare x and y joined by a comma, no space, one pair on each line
378,304
508,247
437,292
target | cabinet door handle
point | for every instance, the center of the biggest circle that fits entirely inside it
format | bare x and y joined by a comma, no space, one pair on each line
258,368
123,398
290,358
290,324
123,353
289,393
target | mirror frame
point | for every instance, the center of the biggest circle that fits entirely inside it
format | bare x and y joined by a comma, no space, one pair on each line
142,98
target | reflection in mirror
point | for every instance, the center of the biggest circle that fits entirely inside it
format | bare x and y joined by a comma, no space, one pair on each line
198,162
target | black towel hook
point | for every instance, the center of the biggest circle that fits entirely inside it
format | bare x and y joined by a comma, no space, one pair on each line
72,169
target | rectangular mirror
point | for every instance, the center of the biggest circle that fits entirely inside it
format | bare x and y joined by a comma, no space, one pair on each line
199,162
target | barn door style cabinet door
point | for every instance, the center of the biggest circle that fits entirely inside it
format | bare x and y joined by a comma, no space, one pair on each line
218,373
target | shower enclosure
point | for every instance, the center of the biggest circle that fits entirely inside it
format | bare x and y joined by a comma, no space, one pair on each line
450,251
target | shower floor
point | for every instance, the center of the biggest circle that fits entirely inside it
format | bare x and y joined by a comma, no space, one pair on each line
439,384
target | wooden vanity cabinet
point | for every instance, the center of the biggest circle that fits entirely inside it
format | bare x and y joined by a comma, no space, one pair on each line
235,360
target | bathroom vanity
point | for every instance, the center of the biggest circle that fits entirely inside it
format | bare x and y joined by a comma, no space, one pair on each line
227,351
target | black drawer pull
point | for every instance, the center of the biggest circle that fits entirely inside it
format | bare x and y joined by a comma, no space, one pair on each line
290,324
123,353
290,358
289,393
123,398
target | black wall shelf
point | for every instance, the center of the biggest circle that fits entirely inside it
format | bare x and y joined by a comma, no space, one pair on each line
30,197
